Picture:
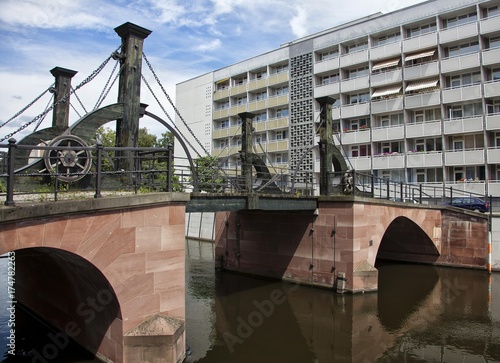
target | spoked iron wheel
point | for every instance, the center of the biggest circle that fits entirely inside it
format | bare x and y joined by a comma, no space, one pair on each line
70,165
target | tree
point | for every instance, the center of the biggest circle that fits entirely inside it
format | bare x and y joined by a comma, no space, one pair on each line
210,177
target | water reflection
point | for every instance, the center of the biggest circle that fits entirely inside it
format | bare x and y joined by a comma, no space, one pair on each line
420,314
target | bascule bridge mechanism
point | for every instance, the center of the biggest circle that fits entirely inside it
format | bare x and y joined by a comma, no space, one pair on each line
68,149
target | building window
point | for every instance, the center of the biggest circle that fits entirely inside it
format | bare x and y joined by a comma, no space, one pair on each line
358,98
493,107
280,158
241,100
260,117
493,42
391,120
421,30
462,80
331,78
420,116
494,74
281,135
281,90
429,175
466,110
462,49
428,145
459,20
282,112
224,124
387,39
240,81
260,139
356,47
491,11
330,54
261,96
391,147
281,68
357,72
261,75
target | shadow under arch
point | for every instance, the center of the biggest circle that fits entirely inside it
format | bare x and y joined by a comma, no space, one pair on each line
404,240
402,289
69,293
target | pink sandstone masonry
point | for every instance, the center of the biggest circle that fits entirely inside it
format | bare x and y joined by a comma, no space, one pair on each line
99,276
344,238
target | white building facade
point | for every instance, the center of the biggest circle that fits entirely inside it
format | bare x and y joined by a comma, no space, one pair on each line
417,99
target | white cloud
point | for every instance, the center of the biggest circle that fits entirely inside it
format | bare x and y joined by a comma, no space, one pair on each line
299,22
210,46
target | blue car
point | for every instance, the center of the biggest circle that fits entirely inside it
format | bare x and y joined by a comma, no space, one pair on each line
474,204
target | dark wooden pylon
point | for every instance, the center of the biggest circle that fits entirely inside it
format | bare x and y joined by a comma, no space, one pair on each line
246,149
129,89
60,114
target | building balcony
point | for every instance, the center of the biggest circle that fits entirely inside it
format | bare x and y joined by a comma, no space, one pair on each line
476,187
257,105
356,84
238,90
260,126
489,25
356,137
327,90
335,113
420,100
420,42
468,93
278,78
464,157
275,101
257,84
491,56
493,155
327,65
220,113
459,32
494,187
387,105
423,129
350,59
235,130
460,63
463,125
421,71
220,133
385,51
388,133
492,89
278,123
235,110
361,163
221,94
424,159
277,145
392,161
493,122
385,78
358,109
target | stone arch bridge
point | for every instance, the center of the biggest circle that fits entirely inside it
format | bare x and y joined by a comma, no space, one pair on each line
109,272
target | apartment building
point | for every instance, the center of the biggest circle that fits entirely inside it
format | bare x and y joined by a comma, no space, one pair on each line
417,98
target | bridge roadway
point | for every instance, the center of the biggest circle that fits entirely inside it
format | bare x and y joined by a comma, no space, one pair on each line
109,272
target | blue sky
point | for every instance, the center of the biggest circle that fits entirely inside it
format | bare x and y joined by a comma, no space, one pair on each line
189,38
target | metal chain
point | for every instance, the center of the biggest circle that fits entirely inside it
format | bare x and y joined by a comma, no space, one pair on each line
28,106
79,101
83,83
168,116
41,120
104,93
172,104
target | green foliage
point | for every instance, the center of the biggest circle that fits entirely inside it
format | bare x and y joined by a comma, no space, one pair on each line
210,178
156,179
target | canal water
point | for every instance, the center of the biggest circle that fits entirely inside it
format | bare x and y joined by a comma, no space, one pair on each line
420,314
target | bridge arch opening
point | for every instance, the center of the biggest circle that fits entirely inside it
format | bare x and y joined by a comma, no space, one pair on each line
405,241
70,294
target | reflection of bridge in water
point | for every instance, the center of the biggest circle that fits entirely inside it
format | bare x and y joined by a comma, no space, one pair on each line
128,252
422,312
